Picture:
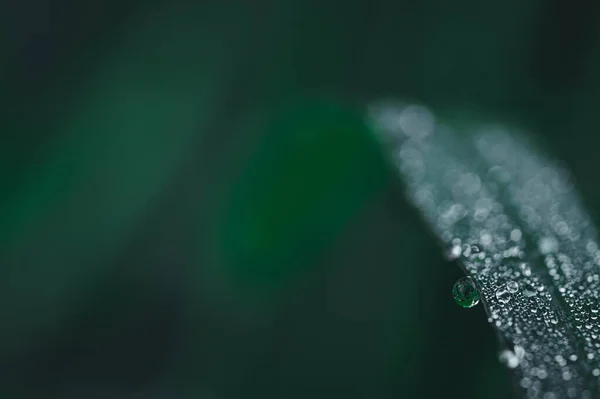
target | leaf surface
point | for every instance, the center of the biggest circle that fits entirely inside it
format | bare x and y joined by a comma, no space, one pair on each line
511,218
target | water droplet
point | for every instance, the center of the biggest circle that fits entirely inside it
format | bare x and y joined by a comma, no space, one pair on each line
509,358
465,293
525,269
454,252
502,294
466,250
512,287
485,239
512,252
573,358
416,121
519,351
548,245
529,291
515,235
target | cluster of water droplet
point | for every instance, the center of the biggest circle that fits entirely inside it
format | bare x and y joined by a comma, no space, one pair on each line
511,219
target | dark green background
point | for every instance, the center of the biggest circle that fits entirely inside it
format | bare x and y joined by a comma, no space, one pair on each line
192,207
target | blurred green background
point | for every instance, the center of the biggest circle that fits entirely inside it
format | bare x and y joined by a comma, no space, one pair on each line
192,207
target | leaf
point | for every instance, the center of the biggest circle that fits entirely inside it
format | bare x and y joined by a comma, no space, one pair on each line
513,221
315,167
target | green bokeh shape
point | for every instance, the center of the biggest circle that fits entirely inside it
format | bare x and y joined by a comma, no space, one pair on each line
129,128
315,167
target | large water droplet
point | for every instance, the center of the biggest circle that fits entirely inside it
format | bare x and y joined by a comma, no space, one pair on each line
512,287
502,294
465,293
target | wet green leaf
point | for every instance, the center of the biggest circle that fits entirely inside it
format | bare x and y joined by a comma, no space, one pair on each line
512,219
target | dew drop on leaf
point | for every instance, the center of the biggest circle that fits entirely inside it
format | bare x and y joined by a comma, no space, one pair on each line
465,293
512,287
510,358
548,245
453,252
502,294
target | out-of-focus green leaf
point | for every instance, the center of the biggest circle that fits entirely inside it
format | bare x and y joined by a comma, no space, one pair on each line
315,167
